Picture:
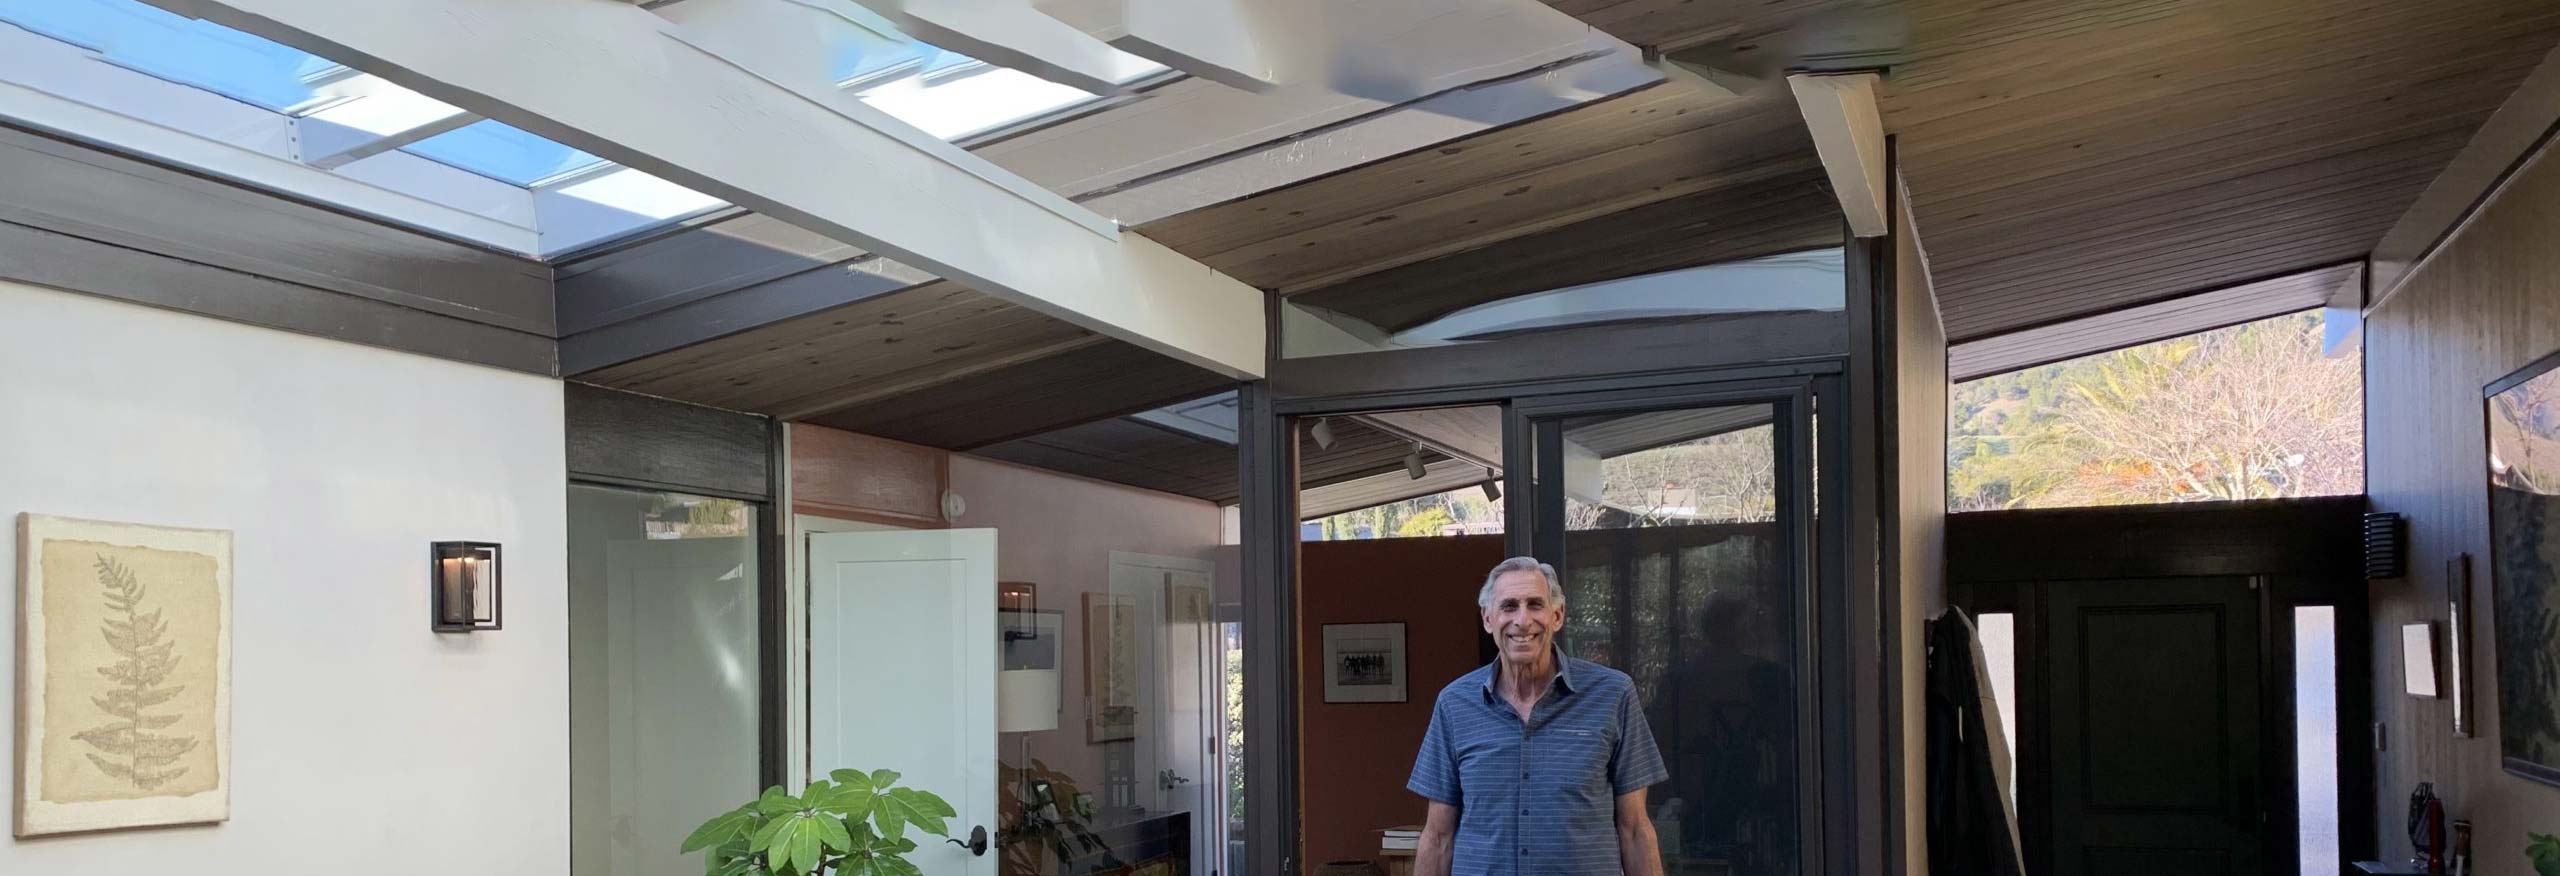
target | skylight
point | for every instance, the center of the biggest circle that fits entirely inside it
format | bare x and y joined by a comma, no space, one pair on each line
495,150
136,78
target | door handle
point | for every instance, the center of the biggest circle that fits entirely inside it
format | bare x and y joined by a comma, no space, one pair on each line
977,844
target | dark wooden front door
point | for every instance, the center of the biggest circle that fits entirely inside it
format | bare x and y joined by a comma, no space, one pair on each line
2155,722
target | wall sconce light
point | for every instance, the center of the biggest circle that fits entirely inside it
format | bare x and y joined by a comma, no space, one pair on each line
466,592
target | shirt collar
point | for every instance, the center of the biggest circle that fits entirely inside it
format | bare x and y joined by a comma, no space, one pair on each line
1563,681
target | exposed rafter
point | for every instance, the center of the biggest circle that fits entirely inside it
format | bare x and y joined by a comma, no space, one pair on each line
1012,33
607,78
1840,111
1229,42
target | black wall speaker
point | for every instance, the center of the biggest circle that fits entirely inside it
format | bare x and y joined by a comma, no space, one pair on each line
2386,546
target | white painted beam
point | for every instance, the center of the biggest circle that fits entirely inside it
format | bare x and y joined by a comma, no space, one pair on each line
1417,124
606,78
1012,33
1229,42
1840,111
1694,72
1483,60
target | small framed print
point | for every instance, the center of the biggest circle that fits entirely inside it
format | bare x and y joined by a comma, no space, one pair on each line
1364,663
2418,659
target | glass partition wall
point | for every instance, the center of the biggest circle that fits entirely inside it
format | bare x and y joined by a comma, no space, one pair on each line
1679,509
1048,659
1680,521
665,666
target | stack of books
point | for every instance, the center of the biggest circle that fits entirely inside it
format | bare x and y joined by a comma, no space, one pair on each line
1399,839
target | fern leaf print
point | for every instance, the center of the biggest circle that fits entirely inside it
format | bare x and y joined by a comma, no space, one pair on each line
132,748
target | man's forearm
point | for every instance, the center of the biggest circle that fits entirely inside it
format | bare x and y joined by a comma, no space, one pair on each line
1638,853
1431,854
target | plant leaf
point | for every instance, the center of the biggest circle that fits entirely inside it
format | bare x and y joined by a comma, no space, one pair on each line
719,830
804,844
854,803
920,808
783,846
853,779
762,841
882,779
831,832
774,802
893,823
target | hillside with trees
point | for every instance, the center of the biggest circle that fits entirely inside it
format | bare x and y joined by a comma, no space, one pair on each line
2254,411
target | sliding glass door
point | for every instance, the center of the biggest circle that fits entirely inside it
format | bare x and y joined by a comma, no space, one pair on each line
1678,521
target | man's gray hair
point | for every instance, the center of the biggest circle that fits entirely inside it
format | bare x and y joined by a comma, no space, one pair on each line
1555,591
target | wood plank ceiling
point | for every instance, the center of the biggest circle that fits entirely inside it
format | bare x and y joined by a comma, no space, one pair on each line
1668,177
1662,178
2066,158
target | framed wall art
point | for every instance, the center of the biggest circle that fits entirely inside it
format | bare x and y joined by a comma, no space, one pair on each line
1364,663
2457,641
2523,428
1110,667
124,675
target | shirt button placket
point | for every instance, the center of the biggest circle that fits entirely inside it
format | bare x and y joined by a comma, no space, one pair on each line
1520,825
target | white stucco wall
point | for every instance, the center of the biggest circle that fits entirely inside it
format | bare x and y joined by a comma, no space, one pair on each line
361,741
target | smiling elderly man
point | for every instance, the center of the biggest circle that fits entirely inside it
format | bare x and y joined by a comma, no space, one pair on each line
1537,764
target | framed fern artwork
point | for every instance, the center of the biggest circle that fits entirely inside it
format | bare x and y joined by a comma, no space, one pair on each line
124,675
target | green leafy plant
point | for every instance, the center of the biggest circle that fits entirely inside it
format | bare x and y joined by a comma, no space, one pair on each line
855,825
2544,852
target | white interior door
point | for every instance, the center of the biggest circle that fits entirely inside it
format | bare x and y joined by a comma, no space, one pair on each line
1178,749
902,670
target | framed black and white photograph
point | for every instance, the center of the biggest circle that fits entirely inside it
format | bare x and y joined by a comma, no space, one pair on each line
2523,420
1364,663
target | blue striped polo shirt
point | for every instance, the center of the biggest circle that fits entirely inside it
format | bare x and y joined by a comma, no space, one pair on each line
1537,798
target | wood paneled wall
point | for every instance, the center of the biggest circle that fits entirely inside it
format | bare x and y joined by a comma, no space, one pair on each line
2485,304
850,476
1917,459
640,441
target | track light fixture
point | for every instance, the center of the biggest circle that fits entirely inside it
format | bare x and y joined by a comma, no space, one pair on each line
1492,491
1413,463
1323,433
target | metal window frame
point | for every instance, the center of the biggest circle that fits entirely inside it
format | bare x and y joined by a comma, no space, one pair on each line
1268,421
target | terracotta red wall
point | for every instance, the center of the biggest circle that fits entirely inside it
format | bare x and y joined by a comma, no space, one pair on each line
1354,757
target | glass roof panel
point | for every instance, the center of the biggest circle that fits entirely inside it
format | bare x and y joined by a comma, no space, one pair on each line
502,152
179,49
945,93
317,126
